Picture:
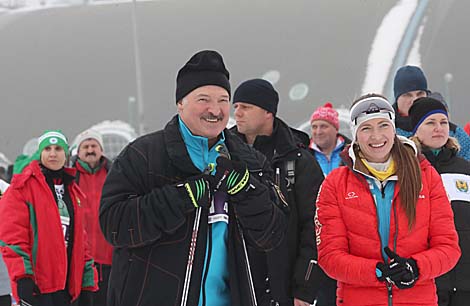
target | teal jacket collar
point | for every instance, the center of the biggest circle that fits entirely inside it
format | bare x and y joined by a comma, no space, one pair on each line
198,147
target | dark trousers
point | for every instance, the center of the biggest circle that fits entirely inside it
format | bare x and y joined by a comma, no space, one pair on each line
59,298
99,297
5,300
453,298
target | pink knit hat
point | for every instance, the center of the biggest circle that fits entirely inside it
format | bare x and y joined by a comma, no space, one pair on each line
326,113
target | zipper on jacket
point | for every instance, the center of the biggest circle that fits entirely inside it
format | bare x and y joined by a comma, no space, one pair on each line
382,190
390,294
395,236
309,269
208,261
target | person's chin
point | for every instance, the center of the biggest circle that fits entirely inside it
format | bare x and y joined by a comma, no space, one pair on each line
438,143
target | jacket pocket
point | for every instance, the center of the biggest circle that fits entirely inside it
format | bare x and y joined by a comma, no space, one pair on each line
148,284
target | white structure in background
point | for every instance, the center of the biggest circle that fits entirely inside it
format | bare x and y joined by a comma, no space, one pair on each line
116,135
231,123
343,116
4,161
30,147
386,44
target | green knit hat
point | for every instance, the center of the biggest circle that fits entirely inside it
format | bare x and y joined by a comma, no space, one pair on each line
53,137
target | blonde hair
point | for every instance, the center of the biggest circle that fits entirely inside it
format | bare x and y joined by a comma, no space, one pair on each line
452,143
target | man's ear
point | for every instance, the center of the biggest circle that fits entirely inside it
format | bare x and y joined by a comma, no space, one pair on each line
179,105
269,115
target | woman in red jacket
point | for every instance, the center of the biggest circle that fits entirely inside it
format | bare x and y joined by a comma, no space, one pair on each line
41,233
384,224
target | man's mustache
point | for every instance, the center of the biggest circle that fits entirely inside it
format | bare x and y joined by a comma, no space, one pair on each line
91,154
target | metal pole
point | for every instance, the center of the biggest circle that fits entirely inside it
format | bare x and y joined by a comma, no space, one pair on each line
447,79
138,71
132,113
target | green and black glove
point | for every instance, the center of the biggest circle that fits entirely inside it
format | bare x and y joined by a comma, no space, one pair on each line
231,176
198,189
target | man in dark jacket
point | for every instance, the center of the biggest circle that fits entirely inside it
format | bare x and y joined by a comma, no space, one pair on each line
293,267
185,207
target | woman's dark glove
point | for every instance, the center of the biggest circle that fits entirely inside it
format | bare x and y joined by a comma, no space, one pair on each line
402,272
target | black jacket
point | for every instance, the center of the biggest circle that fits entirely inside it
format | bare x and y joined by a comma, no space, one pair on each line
298,278
149,220
446,162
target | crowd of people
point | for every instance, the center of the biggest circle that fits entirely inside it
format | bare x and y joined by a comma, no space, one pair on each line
258,214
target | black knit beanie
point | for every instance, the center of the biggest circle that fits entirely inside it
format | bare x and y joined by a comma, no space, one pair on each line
423,108
203,68
409,78
258,92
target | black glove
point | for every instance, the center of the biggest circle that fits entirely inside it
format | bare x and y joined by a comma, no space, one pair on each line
86,298
26,289
402,272
231,176
198,189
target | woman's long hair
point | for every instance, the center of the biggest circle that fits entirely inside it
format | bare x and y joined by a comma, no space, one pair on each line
408,172
409,178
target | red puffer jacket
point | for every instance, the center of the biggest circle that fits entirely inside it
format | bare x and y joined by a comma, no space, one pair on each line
32,239
92,184
349,244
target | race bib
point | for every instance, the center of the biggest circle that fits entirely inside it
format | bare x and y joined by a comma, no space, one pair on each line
219,208
59,191
65,228
63,212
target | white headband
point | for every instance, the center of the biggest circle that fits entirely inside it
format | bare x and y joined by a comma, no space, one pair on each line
370,108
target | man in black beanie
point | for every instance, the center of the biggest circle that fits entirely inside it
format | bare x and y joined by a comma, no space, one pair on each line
292,268
410,84
182,205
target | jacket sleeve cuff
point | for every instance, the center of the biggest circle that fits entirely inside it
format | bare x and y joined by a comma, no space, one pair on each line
89,279
305,294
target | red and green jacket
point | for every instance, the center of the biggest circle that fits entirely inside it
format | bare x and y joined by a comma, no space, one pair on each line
91,183
32,240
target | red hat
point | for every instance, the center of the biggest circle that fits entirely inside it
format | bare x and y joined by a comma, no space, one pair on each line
326,113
